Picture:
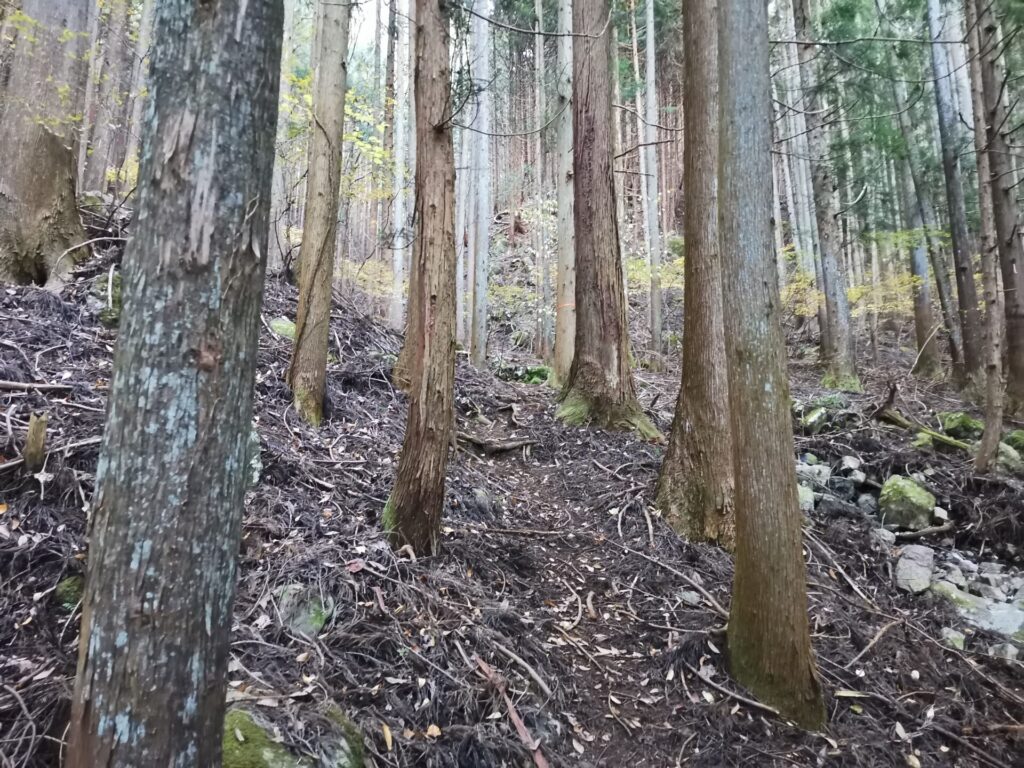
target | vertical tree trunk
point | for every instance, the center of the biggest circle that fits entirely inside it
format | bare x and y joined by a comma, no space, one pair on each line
651,180
989,446
280,195
695,485
41,92
565,299
307,374
463,178
110,70
396,307
1004,204
769,637
599,387
167,514
484,203
638,104
140,73
413,512
838,349
544,330
928,363
967,295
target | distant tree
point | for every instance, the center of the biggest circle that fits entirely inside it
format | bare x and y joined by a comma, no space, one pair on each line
565,286
599,387
307,374
481,161
167,513
695,483
768,637
413,512
42,93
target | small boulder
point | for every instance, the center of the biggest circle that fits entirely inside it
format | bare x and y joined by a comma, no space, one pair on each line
814,475
1004,651
248,744
991,593
814,420
302,610
955,576
1009,461
857,477
881,539
283,327
806,498
850,463
690,598
953,638
1015,440
939,515
830,505
68,592
906,504
961,426
914,568
990,567
868,504
843,487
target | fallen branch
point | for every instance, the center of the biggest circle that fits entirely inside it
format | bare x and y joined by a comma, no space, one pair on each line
909,535
529,670
732,695
69,447
869,646
491,447
524,734
26,386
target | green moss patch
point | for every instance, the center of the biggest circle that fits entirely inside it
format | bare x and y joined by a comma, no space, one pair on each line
68,592
960,425
247,744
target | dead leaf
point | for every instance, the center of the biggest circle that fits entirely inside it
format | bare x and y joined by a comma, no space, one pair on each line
388,740
433,731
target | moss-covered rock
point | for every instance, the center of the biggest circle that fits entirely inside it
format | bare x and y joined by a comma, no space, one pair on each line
814,420
1015,440
960,425
302,610
923,440
343,749
247,744
69,591
1008,460
284,327
905,503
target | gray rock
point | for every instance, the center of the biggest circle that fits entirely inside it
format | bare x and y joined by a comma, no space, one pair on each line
965,565
1006,619
955,576
991,593
991,568
953,638
905,503
850,463
843,487
867,503
255,460
814,475
857,477
914,568
995,579
302,610
830,505
940,515
690,597
1004,651
806,498
881,539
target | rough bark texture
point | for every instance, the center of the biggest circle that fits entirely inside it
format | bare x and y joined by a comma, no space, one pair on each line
695,483
1001,179
565,290
989,446
769,638
42,91
400,239
307,374
167,514
928,362
599,387
482,168
413,512
651,179
837,339
106,119
967,294
140,74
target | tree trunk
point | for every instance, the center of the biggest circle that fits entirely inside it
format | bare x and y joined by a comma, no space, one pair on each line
140,73
167,514
413,512
651,179
463,180
565,299
967,295
400,238
838,347
695,486
769,638
1004,204
989,447
484,204
928,364
280,194
42,89
107,117
307,374
599,387
544,330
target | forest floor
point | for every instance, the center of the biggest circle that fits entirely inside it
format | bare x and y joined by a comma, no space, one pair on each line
563,622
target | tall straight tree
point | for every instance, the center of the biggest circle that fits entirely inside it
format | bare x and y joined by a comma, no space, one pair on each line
1004,204
42,89
482,167
928,364
565,287
650,149
695,484
599,387
949,132
540,171
769,637
413,512
167,514
837,348
307,374
399,244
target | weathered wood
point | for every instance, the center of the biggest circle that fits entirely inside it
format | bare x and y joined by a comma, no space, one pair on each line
167,513
34,454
